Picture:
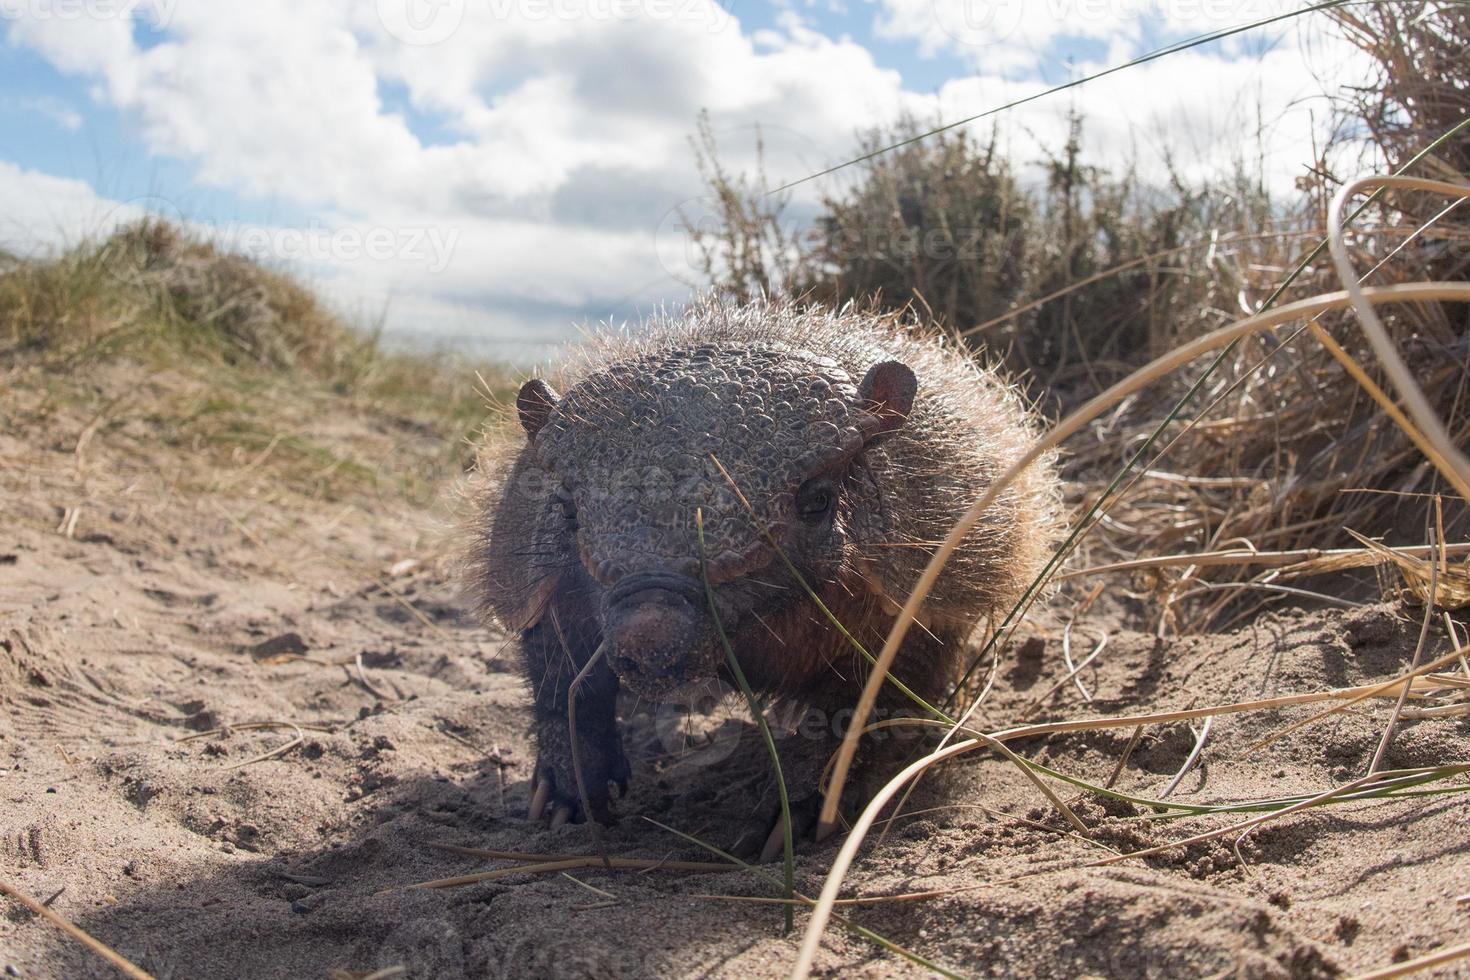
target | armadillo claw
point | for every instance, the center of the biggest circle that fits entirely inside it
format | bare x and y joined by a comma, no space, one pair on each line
804,813
775,843
605,773
539,799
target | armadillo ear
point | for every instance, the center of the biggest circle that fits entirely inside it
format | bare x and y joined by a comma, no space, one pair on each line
887,393
534,405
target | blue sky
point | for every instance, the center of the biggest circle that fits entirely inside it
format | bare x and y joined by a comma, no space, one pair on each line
493,173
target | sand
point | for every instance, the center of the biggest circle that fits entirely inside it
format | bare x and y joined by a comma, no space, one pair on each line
152,605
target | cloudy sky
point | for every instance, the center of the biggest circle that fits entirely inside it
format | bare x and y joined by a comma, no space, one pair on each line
496,172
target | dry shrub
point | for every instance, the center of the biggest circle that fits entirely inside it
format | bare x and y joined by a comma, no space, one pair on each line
944,226
1103,272
1292,452
152,290
1420,88
239,361
940,223
152,284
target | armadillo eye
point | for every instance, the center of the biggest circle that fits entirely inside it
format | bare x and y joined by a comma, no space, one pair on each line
815,500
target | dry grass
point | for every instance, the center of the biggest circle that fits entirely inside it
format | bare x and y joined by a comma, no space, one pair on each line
149,286
1289,448
120,963
166,339
1280,436
1270,473
1096,274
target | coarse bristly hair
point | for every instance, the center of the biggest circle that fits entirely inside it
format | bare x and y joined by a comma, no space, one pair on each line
901,493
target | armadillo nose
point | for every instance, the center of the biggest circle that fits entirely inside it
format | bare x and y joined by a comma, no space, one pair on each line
650,633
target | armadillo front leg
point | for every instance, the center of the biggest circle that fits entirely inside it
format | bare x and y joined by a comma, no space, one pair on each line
554,659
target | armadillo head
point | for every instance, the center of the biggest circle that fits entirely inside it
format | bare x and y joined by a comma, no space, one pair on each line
678,467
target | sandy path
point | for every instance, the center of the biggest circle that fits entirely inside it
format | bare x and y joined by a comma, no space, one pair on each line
164,611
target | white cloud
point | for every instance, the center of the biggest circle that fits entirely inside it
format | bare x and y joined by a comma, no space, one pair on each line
42,213
414,274
281,100
1199,113
56,110
1009,35
561,126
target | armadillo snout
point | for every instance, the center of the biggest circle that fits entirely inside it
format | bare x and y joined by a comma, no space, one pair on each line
651,627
